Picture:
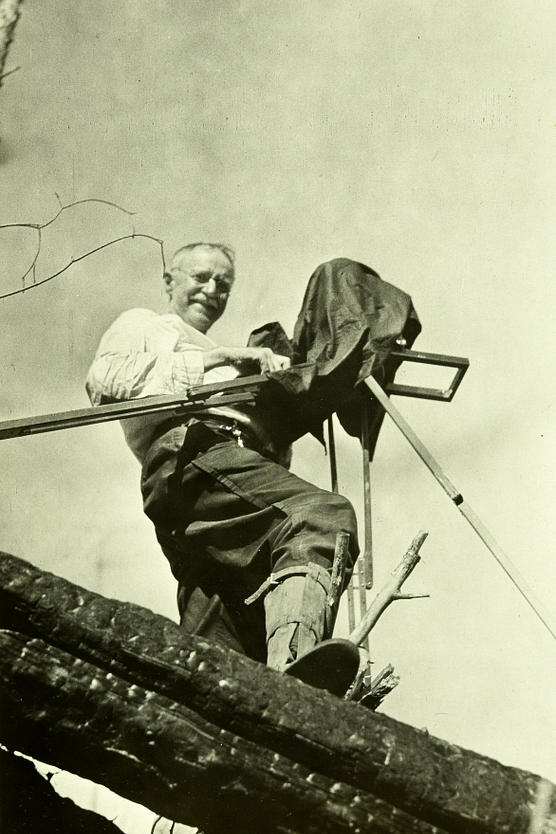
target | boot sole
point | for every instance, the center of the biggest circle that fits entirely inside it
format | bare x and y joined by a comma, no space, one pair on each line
330,665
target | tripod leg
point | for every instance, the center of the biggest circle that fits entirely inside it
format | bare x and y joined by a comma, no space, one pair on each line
334,487
365,446
464,508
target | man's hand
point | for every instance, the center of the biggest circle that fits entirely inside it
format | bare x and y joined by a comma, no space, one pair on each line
248,360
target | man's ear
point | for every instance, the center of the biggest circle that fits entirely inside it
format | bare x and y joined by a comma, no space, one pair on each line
169,283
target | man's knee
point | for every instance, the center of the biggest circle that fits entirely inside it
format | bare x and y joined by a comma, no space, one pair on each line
326,514
340,510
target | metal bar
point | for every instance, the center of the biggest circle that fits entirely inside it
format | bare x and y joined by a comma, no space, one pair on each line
350,594
332,454
503,560
362,598
419,447
359,567
460,363
243,383
121,411
419,392
351,606
368,520
430,358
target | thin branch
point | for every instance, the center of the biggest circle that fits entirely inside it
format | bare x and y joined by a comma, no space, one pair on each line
63,208
9,72
33,267
411,596
389,592
38,227
87,200
81,257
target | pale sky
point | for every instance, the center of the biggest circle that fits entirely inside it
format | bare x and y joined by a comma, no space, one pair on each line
416,137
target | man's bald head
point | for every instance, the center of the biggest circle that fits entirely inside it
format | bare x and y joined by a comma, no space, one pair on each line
183,251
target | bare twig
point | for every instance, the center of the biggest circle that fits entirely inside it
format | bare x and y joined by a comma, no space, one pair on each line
80,258
9,72
38,227
412,596
390,591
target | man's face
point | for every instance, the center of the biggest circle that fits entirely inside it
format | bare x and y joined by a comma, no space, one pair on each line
199,284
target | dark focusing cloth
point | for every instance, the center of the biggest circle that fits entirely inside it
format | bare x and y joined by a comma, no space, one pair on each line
349,322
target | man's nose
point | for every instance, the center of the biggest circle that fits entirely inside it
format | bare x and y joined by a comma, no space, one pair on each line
211,287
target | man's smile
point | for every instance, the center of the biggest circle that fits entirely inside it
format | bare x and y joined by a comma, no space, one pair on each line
210,306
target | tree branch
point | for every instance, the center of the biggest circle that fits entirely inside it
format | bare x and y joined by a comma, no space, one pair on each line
158,752
38,227
390,591
9,15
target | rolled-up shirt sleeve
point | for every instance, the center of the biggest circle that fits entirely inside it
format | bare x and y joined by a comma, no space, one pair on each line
139,357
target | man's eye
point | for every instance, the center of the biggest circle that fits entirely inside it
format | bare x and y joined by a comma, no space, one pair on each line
222,286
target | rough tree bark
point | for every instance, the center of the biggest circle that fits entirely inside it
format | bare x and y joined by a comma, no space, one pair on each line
9,15
154,750
94,683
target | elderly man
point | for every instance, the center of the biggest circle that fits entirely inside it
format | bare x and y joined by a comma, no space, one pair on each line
228,514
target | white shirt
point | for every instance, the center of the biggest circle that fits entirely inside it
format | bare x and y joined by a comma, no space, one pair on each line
143,354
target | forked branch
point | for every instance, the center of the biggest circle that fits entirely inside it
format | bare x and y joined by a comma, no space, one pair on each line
38,227
390,591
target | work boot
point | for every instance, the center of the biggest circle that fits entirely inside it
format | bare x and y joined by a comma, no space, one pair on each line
295,613
297,619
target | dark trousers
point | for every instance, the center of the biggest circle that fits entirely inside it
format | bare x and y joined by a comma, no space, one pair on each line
226,517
